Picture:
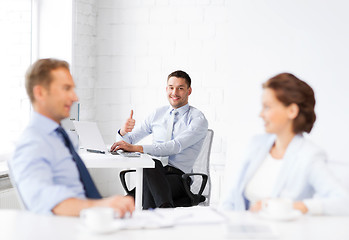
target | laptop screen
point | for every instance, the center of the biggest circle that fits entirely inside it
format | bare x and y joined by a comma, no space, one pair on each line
89,135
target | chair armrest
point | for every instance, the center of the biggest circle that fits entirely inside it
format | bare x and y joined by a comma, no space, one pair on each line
194,197
123,179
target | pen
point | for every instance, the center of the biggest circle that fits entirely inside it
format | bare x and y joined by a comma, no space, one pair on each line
94,151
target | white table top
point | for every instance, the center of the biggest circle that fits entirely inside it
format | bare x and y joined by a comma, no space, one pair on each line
16,224
97,160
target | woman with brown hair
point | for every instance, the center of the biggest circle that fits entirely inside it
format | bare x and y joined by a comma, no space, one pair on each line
283,163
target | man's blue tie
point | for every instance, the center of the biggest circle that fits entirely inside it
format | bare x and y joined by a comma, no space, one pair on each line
89,186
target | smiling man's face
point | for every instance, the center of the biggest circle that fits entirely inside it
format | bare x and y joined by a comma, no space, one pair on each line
177,92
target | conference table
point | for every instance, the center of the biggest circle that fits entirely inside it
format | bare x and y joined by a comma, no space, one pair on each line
98,160
16,224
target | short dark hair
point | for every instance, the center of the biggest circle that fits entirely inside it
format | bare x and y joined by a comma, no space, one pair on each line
39,73
289,89
181,74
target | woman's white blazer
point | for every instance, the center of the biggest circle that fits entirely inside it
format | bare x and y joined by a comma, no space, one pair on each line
304,176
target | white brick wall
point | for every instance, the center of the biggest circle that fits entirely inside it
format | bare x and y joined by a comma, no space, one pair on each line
15,49
124,50
135,45
229,48
140,42
84,56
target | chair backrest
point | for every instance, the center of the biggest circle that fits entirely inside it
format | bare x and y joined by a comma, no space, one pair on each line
202,165
14,185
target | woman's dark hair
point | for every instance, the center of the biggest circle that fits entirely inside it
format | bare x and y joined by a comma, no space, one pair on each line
289,89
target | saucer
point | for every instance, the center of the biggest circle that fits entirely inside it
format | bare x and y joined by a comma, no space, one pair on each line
291,215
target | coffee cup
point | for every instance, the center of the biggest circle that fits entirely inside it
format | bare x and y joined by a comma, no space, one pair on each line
97,218
277,206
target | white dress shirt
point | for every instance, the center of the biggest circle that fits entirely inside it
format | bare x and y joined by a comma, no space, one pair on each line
189,132
262,183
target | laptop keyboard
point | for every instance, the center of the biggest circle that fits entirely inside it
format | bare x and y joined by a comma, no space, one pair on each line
126,154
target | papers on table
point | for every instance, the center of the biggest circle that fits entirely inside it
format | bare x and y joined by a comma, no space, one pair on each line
159,218
146,220
193,215
165,218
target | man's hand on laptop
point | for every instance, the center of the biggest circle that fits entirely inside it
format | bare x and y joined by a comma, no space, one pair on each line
126,147
128,126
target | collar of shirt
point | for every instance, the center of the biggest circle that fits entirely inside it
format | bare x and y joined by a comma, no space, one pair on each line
46,124
181,111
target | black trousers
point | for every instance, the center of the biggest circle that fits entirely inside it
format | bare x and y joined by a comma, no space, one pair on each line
162,186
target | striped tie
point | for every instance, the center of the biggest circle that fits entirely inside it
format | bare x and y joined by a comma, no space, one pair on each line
169,133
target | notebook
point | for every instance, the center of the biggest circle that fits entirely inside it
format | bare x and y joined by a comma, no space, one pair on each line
90,136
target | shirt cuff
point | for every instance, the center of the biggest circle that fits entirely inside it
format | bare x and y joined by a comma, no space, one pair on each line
59,197
147,149
119,137
120,134
314,206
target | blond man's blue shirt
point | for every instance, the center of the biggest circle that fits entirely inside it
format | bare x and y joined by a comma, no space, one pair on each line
43,168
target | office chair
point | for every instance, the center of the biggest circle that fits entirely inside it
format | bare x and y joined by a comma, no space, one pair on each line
199,192
14,185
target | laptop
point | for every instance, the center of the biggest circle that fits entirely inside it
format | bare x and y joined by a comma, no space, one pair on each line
91,139
90,136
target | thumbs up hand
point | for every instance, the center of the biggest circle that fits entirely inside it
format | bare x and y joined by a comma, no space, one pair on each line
129,125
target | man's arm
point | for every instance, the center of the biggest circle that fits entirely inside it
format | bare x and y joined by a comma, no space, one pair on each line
73,206
132,136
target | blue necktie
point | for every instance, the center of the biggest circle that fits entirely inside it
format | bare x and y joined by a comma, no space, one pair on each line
89,186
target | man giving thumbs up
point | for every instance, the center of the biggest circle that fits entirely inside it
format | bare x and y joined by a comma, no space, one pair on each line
178,132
